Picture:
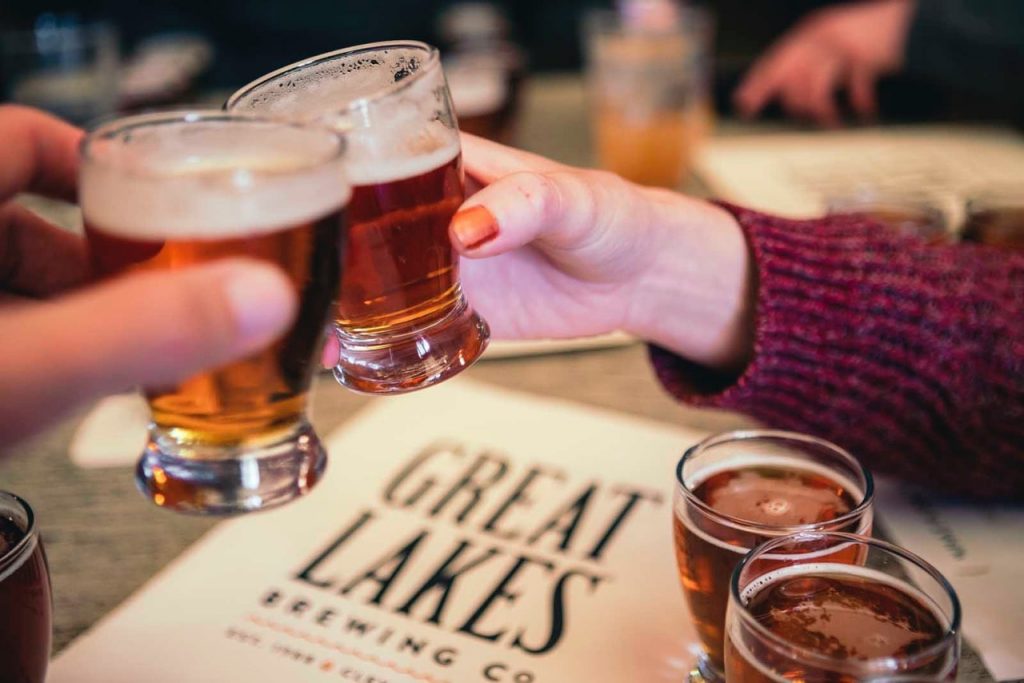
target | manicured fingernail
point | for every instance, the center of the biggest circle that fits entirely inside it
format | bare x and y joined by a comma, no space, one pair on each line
262,302
474,227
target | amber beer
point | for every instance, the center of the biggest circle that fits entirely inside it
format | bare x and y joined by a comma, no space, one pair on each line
211,188
400,265
403,322
737,491
800,615
647,80
264,393
656,148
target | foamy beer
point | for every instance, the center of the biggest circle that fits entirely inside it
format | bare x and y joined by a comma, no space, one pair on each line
737,490
168,191
797,614
403,322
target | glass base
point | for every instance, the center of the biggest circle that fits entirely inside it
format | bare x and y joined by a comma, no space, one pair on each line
705,672
400,360
216,480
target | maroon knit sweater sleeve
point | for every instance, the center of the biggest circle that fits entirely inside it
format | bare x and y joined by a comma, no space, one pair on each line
909,355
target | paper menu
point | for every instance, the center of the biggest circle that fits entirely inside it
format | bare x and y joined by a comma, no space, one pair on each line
979,549
794,174
461,534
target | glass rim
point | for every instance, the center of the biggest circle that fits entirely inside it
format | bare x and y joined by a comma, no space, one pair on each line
688,18
25,545
120,124
739,523
950,635
1000,196
432,62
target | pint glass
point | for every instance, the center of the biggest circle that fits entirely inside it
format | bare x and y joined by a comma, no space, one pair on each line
647,80
795,614
168,191
737,490
403,322
25,597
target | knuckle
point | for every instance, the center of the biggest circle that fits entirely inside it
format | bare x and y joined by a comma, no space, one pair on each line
542,193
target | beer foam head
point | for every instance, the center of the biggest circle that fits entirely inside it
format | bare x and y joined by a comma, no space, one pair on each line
390,100
793,464
207,176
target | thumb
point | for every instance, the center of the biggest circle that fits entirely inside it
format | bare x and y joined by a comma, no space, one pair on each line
150,329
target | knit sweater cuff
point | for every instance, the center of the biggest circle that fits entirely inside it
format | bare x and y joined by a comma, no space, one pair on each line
907,354
813,319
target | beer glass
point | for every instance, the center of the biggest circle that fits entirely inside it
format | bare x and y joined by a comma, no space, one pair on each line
796,614
26,602
995,216
648,84
737,490
402,321
906,214
171,190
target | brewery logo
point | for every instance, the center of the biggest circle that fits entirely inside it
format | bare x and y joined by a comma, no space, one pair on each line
478,533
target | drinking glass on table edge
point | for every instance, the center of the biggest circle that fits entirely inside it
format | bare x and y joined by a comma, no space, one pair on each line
172,190
995,216
796,614
907,214
402,321
737,490
26,602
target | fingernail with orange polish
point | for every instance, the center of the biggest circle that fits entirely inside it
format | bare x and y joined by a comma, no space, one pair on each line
474,227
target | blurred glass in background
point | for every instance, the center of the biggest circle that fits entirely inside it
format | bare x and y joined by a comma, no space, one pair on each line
62,65
648,73
995,216
485,68
916,214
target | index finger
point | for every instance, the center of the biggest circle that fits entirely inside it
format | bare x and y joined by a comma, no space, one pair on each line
488,161
41,154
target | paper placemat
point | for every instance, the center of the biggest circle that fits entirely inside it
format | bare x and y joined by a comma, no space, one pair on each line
979,548
461,534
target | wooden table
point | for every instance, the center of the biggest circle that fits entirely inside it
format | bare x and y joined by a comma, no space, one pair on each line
104,540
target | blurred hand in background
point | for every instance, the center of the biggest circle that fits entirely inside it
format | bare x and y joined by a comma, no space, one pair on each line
847,47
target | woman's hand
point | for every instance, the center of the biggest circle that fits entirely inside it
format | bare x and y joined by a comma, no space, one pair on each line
59,347
556,252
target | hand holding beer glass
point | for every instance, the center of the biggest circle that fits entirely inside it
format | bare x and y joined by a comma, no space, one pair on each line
797,614
402,321
737,490
167,191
